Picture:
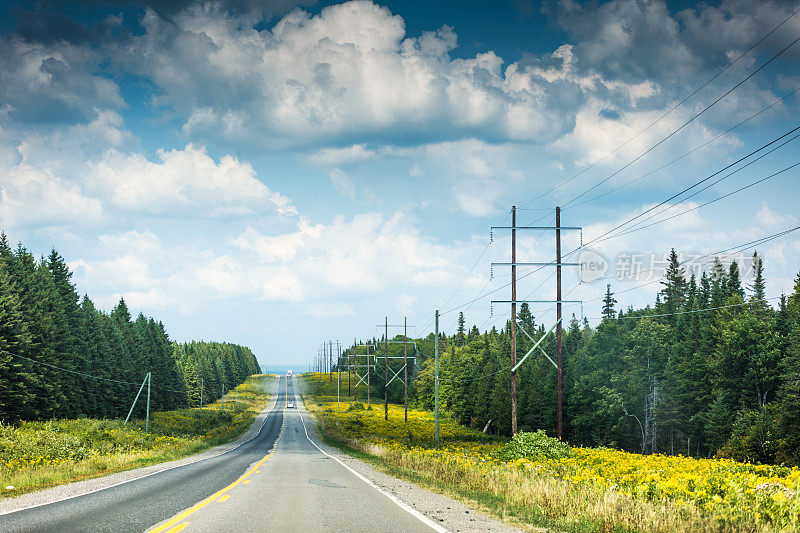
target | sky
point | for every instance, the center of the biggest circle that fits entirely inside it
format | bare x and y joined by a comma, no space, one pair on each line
281,173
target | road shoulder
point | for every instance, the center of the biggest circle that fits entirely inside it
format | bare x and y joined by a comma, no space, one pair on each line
450,513
78,488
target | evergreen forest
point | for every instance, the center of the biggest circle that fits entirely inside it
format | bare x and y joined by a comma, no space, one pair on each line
711,369
61,357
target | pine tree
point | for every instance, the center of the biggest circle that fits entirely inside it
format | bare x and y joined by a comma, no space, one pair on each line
759,287
14,380
675,287
525,318
735,282
608,304
461,333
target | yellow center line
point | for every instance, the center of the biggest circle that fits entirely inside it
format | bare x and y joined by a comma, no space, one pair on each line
196,507
224,498
178,528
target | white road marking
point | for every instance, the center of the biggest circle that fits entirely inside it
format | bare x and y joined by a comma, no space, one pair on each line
140,477
400,503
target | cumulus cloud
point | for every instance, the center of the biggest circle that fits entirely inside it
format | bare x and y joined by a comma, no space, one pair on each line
187,181
364,253
310,265
348,73
35,197
52,82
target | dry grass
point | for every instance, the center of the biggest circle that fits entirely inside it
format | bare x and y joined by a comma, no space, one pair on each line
568,494
37,455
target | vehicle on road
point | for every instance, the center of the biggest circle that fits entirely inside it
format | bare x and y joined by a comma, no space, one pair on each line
290,405
289,373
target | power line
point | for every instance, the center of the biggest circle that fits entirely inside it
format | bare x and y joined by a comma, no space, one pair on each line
86,375
739,247
740,189
712,104
686,154
676,106
615,228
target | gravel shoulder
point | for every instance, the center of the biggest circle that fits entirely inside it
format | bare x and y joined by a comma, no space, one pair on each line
452,514
78,488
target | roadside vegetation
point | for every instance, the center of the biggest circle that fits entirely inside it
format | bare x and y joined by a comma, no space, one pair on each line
543,482
40,454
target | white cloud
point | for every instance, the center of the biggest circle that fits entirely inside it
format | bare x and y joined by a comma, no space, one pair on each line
349,72
405,303
183,182
363,255
768,218
342,156
329,310
343,183
34,197
52,83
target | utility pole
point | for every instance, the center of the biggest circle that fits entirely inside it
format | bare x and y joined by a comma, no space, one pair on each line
338,381
353,362
350,367
386,372
147,423
405,367
201,394
513,319
559,401
330,360
368,402
436,380
514,326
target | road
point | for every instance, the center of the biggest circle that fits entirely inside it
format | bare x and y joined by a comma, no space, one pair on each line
278,480
141,503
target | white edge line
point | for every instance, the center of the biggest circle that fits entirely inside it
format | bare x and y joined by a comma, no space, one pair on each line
400,503
4,513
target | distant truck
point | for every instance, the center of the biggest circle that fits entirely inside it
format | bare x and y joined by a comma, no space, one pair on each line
289,373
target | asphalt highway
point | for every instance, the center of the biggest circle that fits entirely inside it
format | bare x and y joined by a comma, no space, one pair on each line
279,480
141,503
300,487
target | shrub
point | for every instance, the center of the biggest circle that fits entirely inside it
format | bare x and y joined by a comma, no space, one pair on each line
536,445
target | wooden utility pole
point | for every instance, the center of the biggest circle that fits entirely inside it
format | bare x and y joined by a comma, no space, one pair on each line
350,369
330,360
559,401
514,326
436,379
405,367
368,397
386,372
514,319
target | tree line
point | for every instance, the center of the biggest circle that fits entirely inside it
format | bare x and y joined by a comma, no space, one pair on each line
61,357
709,369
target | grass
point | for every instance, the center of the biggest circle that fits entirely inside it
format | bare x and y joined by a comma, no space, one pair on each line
37,455
541,483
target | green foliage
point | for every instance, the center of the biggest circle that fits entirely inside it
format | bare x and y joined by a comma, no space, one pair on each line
536,445
60,357
693,374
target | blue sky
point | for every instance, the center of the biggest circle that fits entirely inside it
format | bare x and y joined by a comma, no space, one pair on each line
282,173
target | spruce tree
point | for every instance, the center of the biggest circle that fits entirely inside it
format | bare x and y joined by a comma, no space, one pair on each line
461,332
675,287
759,287
608,304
